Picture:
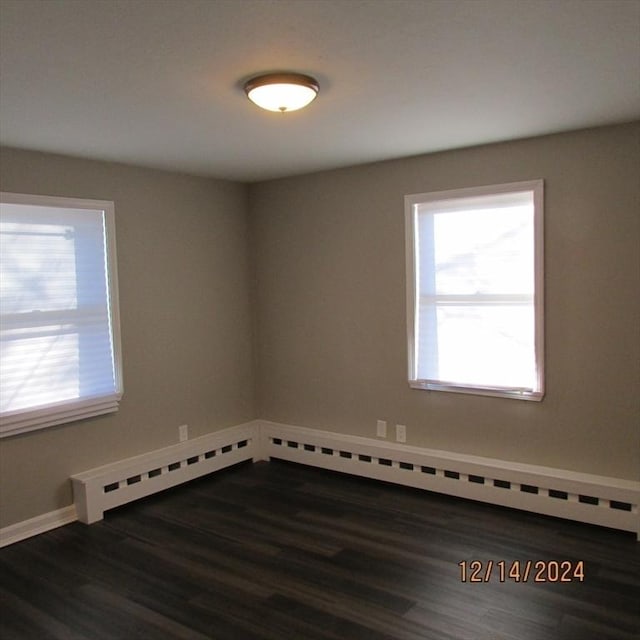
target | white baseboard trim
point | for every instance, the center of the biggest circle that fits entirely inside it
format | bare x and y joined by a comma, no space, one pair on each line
39,524
605,501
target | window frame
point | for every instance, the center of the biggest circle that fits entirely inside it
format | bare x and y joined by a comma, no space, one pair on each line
411,202
31,419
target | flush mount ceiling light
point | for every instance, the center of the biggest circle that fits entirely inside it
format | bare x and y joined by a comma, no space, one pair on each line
282,91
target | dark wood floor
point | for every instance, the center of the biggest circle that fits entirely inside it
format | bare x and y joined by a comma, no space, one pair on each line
284,552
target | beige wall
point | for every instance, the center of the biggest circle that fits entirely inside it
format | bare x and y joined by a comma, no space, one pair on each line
310,271
185,320
330,303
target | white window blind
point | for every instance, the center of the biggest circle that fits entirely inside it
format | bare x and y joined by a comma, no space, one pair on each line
59,335
474,261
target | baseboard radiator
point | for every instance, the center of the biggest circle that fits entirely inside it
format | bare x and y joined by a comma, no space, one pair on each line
599,500
113,485
604,501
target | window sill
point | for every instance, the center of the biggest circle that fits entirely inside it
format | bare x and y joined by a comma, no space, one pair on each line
497,392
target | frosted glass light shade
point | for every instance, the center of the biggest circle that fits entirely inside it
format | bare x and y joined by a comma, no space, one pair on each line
282,91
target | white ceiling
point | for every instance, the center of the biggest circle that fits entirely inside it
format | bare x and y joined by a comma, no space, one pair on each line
159,82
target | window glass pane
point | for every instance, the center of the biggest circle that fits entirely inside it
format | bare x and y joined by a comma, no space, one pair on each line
485,345
478,251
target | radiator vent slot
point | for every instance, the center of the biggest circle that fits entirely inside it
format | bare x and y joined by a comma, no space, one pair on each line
623,506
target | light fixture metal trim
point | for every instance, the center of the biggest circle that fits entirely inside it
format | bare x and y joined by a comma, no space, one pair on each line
282,92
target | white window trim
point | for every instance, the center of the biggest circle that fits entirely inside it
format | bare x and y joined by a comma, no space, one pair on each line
537,187
22,421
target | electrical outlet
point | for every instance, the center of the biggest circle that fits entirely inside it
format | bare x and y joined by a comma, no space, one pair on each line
183,432
401,433
381,429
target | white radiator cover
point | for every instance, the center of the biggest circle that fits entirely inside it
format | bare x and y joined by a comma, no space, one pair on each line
115,484
609,502
599,500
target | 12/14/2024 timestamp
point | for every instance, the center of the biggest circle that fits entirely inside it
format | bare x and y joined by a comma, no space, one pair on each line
522,570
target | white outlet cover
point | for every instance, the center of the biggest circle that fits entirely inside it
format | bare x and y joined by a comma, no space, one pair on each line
381,429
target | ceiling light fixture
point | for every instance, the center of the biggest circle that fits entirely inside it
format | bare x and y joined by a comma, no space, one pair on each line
282,91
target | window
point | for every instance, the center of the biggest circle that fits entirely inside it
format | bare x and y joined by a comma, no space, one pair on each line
59,329
475,290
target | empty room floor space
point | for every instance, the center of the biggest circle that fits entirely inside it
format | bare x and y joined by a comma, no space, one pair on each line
279,551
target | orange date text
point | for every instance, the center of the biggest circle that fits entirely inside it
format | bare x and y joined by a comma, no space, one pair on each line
521,570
